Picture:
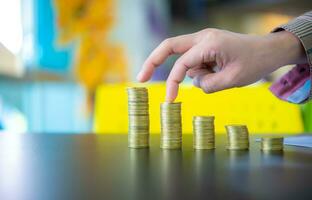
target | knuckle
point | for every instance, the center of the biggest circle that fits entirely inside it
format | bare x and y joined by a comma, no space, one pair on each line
231,80
171,80
213,38
208,31
179,63
167,42
212,33
190,73
206,87
206,91
202,32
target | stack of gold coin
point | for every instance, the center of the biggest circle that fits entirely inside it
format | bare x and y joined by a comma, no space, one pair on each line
171,126
138,117
238,138
203,132
272,144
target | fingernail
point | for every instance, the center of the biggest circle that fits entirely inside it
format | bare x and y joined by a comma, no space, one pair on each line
139,76
170,97
167,98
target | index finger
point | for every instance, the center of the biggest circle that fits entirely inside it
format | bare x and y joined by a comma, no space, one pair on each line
175,45
190,59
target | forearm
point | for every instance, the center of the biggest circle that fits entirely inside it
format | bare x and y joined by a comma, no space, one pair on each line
286,48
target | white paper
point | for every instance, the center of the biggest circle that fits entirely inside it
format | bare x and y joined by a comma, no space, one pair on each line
300,140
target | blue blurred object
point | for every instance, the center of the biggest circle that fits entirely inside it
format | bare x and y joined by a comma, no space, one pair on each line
11,119
299,140
48,107
53,107
1,120
41,38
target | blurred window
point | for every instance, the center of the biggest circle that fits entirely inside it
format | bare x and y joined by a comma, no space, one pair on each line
10,25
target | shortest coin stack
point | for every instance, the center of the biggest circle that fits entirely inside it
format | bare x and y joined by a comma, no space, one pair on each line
238,138
272,144
138,117
203,132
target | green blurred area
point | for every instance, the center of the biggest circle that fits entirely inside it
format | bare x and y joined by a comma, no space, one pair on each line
307,116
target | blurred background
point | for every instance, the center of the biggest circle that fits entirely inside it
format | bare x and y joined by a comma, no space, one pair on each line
55,54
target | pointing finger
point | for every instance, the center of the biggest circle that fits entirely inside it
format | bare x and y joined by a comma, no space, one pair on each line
190,59
175,45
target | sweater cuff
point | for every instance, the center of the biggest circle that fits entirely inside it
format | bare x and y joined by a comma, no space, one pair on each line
302,28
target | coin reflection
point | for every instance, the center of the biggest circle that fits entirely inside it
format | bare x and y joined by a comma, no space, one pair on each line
205,172
238,158
138,173
171,173
272,157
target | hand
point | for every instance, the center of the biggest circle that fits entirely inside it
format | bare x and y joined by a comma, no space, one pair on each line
218,59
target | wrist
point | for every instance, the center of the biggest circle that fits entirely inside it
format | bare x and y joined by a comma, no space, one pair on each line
285,49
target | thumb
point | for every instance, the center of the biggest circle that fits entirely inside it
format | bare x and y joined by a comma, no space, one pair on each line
212,82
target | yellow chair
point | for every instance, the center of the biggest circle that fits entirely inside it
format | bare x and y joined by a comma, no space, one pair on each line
254,106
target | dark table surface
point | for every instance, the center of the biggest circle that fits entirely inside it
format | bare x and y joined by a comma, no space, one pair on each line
89,166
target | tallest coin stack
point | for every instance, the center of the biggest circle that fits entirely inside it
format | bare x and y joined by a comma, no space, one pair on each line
138,117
